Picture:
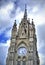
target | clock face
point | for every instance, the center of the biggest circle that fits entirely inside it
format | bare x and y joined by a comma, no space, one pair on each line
22,51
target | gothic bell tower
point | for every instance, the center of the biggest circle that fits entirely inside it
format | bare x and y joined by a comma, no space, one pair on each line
23,47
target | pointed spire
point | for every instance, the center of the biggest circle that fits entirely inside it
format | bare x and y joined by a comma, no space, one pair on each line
25,13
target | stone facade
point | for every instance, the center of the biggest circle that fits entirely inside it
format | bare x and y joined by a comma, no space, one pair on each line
23,47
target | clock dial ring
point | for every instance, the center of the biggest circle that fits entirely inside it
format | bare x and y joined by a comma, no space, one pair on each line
22,51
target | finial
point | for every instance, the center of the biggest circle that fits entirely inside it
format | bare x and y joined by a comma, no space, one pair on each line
32,22
32,19
15,24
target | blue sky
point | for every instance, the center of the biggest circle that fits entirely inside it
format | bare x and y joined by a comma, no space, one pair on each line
14,9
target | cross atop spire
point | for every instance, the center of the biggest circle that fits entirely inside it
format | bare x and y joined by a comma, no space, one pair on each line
25,13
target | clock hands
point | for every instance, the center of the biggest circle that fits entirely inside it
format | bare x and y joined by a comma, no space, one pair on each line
22,51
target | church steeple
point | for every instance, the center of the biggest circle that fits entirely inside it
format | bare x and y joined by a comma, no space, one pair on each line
23,45
25,13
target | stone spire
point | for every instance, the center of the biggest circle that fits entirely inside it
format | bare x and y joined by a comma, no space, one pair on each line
25,13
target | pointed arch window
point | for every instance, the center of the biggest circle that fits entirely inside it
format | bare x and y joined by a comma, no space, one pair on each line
24,63
18,62
11,62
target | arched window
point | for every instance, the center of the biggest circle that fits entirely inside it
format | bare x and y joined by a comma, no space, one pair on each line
18,62
24,63
25,31
11,62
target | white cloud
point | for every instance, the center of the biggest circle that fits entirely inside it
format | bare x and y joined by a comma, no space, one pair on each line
40,45
5,20
37,14
8,33
5,11
5,44
4,51
19,14
35,9
38,18
42,59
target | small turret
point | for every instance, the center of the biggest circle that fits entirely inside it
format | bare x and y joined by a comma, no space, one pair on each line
15,25
14,30
33,24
